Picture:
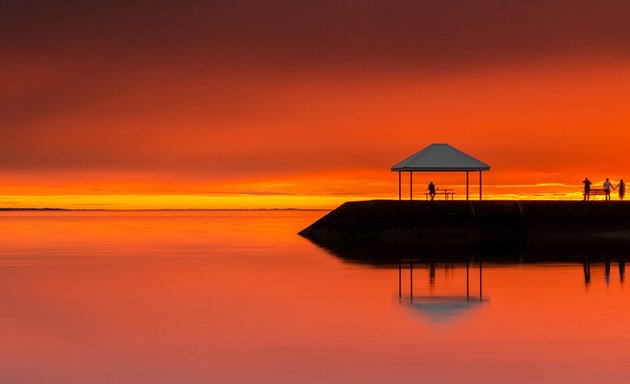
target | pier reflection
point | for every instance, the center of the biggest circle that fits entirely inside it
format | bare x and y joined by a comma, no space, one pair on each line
607,266
443,284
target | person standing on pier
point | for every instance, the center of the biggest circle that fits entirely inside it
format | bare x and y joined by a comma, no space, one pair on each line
587,189
607,186
431,190
622,189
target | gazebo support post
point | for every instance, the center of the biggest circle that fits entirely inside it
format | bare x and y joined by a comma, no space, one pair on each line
467,185
410,185
399,186
467,283
480,185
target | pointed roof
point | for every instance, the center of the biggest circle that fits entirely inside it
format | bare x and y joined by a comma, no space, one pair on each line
440,157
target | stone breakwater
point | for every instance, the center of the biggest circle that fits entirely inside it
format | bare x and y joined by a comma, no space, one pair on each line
565,226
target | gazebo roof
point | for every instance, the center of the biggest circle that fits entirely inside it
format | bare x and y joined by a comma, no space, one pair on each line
440,158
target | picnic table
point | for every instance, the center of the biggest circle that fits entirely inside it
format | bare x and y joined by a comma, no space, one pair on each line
445,191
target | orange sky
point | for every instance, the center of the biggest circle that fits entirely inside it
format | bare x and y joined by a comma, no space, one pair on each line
193,105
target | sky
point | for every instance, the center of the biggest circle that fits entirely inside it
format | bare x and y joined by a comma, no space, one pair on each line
275,104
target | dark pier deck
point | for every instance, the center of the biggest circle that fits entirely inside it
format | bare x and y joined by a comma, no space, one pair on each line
562,230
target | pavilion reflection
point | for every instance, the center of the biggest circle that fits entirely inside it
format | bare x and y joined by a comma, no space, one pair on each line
440,305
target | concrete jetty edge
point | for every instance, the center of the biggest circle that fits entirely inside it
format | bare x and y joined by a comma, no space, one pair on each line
557,227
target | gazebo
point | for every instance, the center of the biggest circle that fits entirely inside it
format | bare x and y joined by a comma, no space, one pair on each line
439,158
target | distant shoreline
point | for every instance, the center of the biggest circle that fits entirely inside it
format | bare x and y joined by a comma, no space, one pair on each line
34,209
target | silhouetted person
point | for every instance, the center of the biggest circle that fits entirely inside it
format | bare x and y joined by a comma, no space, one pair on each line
587,189
607,186
622,189
431,190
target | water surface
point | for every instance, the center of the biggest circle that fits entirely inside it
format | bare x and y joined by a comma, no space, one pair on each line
238,297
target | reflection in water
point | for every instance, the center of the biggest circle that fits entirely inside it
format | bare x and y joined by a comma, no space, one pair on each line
440,307
193,297
587,270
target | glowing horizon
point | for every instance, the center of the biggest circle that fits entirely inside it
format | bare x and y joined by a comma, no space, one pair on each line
270,201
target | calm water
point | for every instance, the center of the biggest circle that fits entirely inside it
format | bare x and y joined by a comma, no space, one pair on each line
238,297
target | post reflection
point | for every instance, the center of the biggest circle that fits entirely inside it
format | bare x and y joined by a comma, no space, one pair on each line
587,272
586,264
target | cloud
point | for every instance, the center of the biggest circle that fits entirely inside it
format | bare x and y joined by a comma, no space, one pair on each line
220,90
289,34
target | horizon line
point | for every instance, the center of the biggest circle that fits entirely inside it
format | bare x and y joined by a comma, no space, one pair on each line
4,209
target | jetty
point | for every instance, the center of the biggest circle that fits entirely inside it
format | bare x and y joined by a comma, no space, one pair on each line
563,230
383,231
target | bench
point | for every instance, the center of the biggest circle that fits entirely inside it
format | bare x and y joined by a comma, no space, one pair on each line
595,192
446,192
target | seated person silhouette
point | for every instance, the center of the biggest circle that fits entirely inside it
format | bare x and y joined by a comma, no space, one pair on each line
431,190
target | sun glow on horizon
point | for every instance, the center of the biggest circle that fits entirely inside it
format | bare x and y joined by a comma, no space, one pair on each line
244,201
328,141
